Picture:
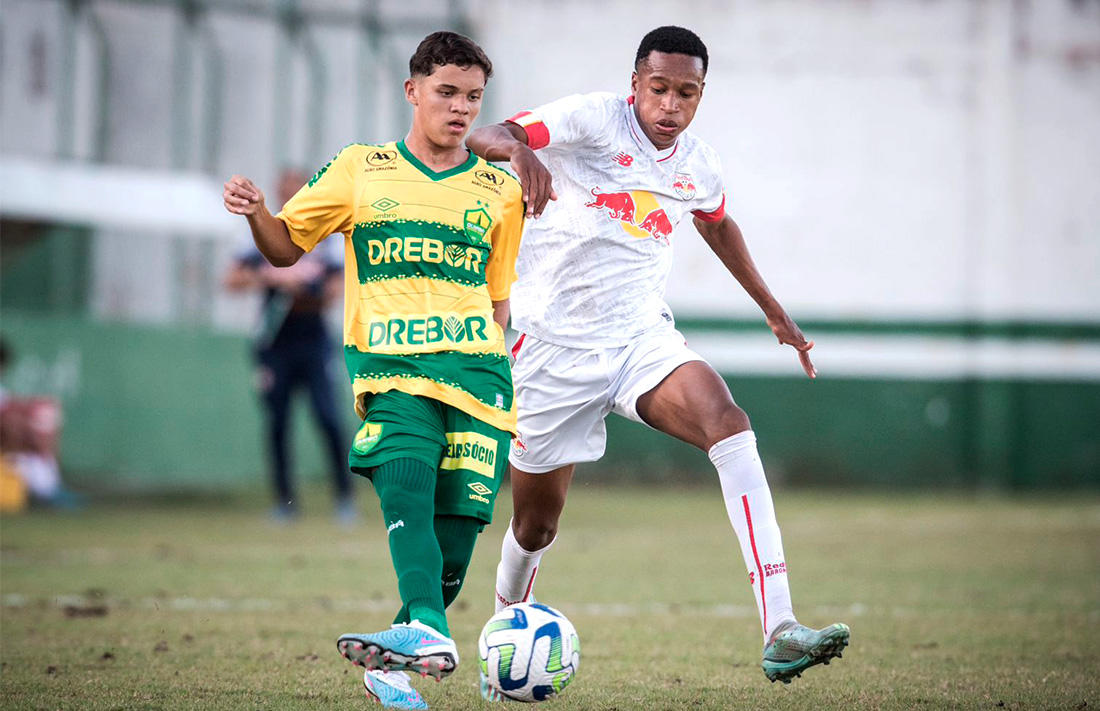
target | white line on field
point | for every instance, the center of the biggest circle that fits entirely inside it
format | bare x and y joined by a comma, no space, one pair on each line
581,609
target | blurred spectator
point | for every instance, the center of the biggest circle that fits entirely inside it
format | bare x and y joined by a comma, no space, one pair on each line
293,349
29,432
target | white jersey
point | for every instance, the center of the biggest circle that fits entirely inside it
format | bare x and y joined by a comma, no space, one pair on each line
592,270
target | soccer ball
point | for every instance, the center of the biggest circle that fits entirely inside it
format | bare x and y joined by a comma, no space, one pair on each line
529,652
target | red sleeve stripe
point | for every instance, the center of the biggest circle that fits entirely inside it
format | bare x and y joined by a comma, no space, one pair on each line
718,214
518,345
538,136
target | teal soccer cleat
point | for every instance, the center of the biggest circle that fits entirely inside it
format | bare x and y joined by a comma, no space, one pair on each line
795,648
392,690
414,647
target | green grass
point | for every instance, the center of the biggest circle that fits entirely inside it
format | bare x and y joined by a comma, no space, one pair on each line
955,602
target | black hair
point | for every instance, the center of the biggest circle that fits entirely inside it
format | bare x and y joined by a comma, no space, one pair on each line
672,40
443,48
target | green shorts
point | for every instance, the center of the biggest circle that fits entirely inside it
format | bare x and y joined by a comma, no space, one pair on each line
469,455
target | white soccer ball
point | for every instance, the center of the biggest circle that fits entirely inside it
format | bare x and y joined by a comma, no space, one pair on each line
529,652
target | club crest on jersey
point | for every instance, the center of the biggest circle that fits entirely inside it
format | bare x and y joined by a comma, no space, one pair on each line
476,223
367,436
684,185
637,211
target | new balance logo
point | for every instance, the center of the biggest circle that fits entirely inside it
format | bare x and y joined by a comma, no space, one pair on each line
624,159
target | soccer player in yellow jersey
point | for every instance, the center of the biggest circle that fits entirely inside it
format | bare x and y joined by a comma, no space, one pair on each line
431,234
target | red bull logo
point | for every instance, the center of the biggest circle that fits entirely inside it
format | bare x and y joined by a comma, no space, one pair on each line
684,185
619,206
637,211
657,224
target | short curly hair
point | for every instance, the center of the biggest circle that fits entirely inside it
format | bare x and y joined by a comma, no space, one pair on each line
672,40
443,48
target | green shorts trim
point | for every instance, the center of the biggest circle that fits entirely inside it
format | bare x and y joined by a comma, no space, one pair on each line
469,455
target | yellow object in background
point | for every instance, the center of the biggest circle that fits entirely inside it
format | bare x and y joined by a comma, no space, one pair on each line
13,492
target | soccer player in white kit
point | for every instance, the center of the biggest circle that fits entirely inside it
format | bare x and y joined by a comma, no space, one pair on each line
597,336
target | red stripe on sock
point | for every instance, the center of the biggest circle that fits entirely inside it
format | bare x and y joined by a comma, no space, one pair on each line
756,557
530,584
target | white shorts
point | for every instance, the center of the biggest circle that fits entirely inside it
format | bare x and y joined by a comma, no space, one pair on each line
564,394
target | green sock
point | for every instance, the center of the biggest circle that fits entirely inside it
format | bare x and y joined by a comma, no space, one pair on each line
457,536
406,488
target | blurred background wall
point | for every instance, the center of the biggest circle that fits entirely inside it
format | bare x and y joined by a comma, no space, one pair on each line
918,180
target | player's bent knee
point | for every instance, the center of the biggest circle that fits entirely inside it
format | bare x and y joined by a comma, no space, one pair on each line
535,535
732,421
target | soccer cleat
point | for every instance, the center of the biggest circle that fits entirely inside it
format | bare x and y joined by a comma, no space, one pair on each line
795,648
392,690
488,692
413,647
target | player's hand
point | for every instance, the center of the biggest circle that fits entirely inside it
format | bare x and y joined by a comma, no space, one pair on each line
242,197
788,333
535,179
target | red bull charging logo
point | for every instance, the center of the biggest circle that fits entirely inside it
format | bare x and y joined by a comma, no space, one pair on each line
637,211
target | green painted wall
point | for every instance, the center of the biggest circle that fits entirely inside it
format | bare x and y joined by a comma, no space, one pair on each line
878,432
169,409
151,407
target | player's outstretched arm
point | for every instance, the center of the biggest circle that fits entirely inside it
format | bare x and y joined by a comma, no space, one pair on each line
242,197
508,142
725,239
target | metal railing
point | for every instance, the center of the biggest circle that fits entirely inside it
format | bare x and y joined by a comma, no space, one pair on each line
195,36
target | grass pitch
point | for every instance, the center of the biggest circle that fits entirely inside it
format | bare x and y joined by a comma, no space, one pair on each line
954,602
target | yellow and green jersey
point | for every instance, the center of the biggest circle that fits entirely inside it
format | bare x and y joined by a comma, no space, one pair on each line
427,254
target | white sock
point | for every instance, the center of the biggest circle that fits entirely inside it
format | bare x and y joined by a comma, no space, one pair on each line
516,571
749,505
